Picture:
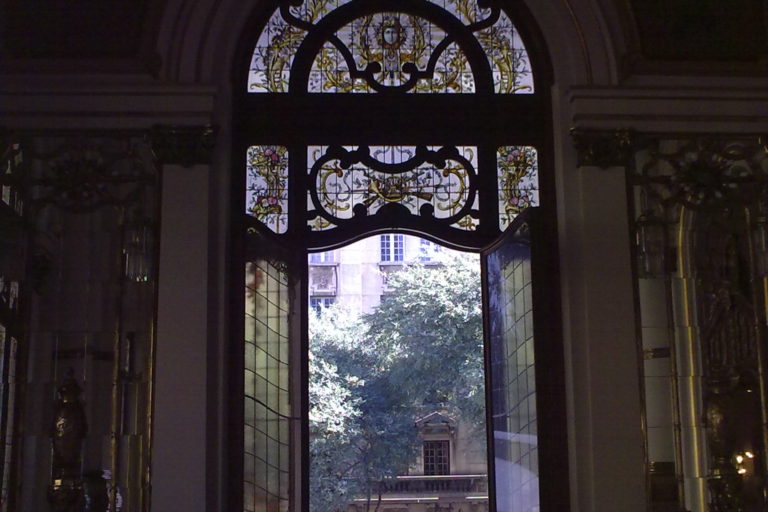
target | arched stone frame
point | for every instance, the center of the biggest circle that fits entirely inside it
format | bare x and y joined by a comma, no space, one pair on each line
590,318
592,89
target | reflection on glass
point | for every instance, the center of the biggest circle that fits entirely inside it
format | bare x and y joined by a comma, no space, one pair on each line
267,406
513,393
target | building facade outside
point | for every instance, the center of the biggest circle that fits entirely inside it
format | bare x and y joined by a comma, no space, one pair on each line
450,473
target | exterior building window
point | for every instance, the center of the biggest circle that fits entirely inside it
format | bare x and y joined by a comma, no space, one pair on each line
437,458
392,247
427,250
322,257
318,303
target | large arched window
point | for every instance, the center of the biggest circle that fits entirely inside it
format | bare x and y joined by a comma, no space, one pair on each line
360,116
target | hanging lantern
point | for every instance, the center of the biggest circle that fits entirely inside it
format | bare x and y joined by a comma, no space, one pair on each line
651,245
138,246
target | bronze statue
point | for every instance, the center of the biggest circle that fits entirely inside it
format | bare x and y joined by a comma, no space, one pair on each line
69,429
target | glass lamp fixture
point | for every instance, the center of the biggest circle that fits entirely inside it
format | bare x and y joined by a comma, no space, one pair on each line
138,245
651,245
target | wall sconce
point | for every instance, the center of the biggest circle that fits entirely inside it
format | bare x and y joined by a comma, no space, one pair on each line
651,245
138,243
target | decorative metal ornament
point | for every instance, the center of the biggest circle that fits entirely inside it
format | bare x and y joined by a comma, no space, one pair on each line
713,189
83,175
703,173
392,52
182,145
352,183
595,148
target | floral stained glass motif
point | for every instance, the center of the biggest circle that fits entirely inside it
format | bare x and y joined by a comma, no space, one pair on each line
518,175
267,186
508,57
357,182
391,50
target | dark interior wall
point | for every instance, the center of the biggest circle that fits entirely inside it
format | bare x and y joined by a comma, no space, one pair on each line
702,30
76,28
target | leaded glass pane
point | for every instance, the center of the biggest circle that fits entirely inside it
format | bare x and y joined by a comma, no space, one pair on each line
518,176
513,389
366,179
273,56
267,186
400,44
397,45
508,57
267,396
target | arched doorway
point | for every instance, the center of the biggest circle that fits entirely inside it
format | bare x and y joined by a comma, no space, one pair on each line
425,117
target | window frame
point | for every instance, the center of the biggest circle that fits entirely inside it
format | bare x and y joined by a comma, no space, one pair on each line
322,257
392,248
321,302
444,452
494,121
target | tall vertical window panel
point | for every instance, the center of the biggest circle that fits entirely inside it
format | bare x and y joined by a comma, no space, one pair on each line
8,350
267,400
514,387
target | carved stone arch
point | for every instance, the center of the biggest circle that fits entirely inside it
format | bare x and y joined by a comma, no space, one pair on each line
197,39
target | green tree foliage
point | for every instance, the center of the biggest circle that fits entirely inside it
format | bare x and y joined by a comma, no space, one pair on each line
372,377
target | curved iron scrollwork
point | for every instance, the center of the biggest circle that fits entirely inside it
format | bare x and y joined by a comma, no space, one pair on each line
352,183
82,175
704,173
445,46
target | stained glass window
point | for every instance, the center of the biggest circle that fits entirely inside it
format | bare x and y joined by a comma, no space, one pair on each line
267,186
518,181
329,79
354,181
392,50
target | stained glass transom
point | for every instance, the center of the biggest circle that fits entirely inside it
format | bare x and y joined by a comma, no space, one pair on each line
360,181
518,181
391,50
267,186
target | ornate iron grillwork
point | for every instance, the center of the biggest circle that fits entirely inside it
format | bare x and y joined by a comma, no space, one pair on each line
390,50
